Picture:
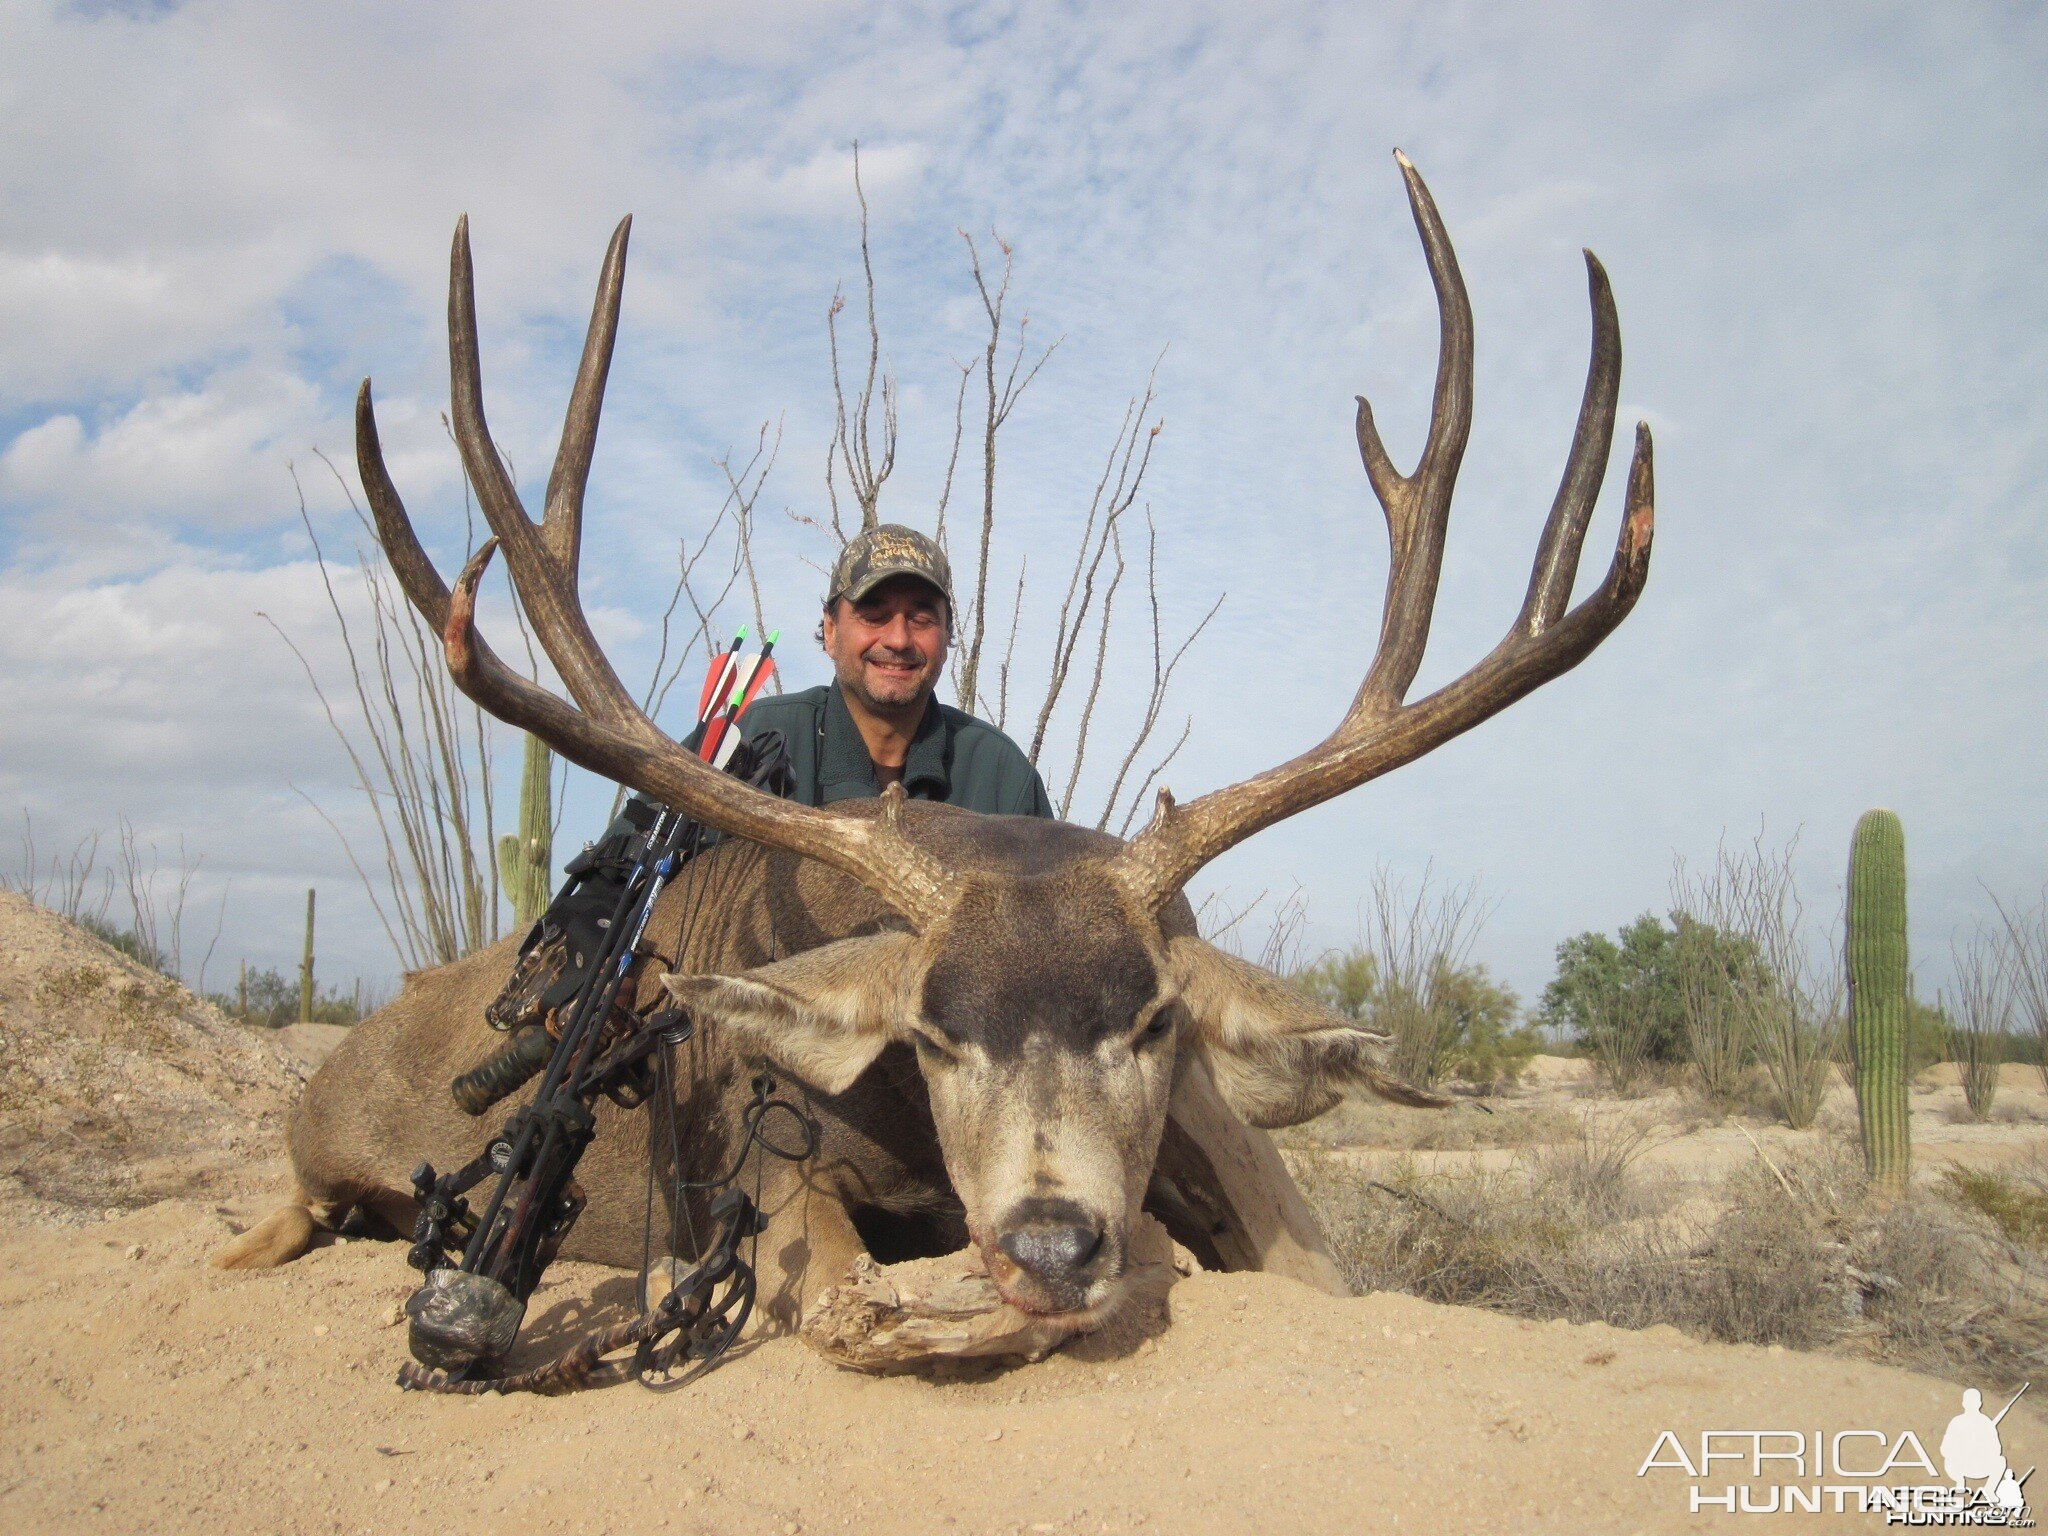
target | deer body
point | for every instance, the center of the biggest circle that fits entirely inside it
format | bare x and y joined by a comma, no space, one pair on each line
380,1105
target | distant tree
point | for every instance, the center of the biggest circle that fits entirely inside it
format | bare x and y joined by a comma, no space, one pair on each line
1928,1028
1493,1044
1344,980
1626,995
1603,986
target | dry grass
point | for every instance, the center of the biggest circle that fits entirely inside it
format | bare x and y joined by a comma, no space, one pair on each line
1794,1252
71,984
2016,1202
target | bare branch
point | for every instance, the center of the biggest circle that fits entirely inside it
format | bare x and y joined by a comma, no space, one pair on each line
1000,399
1163,668
1123,474
853,435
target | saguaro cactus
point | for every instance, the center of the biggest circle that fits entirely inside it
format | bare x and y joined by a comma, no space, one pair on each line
1878,1006
526,859
306,968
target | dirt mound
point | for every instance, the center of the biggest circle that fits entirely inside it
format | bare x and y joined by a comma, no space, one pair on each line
118,1087
1555,1071
311,1044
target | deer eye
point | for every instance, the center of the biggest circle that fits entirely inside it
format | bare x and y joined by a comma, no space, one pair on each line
1155,1027
931,1048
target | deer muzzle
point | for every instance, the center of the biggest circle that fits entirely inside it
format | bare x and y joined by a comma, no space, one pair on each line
1052,1256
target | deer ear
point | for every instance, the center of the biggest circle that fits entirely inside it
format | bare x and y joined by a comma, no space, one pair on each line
824,1014
1279,1057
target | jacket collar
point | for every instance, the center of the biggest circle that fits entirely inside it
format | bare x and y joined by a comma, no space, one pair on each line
846,772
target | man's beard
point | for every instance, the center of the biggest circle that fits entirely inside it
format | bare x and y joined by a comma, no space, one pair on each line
887,690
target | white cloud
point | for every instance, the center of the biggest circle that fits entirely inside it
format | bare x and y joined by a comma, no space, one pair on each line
206,455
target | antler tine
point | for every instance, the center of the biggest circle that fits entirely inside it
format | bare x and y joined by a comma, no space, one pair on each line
562,522
1418,506
546,584
609,735
416,573
480,673
1564,535
1381,732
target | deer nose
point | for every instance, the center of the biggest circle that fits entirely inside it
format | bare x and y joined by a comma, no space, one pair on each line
1051,1239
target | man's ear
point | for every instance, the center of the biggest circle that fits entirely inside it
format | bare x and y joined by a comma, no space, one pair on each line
824,1014
1279,1057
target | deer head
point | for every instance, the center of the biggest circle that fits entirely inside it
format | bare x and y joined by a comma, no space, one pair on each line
1048,977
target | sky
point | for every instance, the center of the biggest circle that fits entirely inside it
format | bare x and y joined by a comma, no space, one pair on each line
1824,226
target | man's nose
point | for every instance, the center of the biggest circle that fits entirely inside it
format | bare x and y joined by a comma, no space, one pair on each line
895,635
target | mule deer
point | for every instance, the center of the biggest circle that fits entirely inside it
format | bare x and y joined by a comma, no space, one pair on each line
990,1017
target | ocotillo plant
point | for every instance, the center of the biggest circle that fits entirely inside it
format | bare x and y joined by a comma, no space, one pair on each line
1878,982
306,968
526,859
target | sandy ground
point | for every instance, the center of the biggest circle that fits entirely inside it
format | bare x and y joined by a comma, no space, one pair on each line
148,1392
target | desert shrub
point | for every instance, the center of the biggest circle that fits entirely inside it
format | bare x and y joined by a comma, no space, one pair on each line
127,941
267,1000
1710,973
2025,943
71,983
1981,1017
2018,1208
1410,977
1797,1253
1592,1171
1784,990
1927,1035
1495,1062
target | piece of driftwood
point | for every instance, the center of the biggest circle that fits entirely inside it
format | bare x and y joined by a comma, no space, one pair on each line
890,1318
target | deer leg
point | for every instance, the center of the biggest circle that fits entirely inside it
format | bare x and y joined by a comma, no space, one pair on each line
285,1234
809,1243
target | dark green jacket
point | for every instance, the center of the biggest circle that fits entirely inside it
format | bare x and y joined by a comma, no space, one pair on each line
954,757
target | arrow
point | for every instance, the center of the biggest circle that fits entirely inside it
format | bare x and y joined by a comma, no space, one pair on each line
716,677
720,739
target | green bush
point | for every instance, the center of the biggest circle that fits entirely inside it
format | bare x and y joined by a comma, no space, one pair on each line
127,941
1466,1025
271,1001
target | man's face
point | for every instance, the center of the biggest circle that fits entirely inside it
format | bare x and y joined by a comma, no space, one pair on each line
889,647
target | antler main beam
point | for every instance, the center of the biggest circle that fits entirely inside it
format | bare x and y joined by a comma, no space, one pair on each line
605,730
1382,731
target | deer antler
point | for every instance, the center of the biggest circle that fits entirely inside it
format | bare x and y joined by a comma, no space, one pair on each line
1382,731
608,734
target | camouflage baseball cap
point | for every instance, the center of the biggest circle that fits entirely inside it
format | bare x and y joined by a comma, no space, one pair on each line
889,549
